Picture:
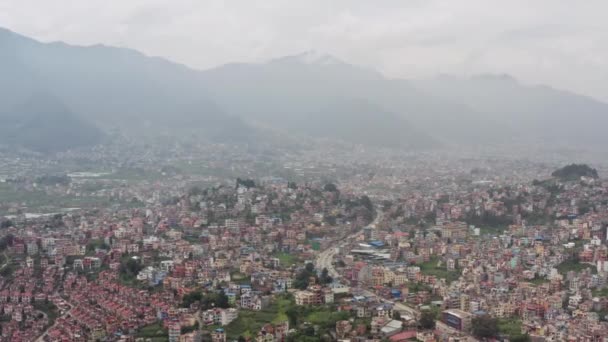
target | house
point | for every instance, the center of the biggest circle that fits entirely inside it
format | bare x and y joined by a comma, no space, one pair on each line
254,302
218,335
228,315
305,298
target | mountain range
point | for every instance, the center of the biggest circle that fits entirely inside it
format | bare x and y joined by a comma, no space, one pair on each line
55,96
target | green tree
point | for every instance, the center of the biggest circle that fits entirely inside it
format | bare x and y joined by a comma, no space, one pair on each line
330,187
248,183
303,277
191,298
427,320
520,338
325,278
484,326
6,241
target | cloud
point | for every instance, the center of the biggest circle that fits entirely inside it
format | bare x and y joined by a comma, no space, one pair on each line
541,41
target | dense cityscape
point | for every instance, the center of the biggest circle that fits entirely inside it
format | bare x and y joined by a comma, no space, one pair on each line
303,171
296,249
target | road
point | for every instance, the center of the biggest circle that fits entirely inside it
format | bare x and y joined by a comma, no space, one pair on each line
325,259
6,262
41,337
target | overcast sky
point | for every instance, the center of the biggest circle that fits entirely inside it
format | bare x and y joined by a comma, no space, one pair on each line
555,42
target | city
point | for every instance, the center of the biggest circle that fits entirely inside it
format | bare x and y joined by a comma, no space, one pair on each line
303,171
269,259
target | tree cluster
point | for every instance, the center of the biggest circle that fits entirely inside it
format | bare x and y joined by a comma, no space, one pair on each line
575,172
248,183
484,326
303,277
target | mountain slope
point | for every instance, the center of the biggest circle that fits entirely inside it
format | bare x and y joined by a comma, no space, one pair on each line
307,94
318,96
538,112
113,87
287,89
43,123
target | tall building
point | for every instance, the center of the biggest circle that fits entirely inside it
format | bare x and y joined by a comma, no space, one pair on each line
174,332
457,319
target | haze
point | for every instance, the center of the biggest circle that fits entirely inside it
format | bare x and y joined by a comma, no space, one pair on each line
558,43
303,171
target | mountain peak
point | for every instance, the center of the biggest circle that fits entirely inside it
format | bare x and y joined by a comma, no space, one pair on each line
495,77
10,35
316,57
311,57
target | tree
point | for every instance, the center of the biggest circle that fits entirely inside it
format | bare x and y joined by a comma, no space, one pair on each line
484,326
248,183
325,278
303,277
330,187
6,224
215,300
6,241
520,338
222,300
191,298
574,172
367,203
427,320
195,191
293,314
130,268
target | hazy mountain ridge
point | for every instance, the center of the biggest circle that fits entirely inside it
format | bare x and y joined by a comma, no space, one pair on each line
285,90
43,123
309,94
539,112
313,97
112,87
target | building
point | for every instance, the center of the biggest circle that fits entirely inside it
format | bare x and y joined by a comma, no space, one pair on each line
174,332
457,319
304,298
218,335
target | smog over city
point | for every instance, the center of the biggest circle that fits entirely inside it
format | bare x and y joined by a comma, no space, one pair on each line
274,171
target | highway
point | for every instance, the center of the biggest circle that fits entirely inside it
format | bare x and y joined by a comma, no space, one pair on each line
325,258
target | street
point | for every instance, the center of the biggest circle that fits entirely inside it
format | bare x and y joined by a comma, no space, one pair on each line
325,258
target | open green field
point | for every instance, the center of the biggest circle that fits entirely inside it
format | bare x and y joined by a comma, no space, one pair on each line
512,328
539,281
576,266
283,309
154,331
601,293
40,201
430,268
250,322
287,259
240,278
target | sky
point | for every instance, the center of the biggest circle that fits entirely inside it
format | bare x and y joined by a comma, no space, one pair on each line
559,43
